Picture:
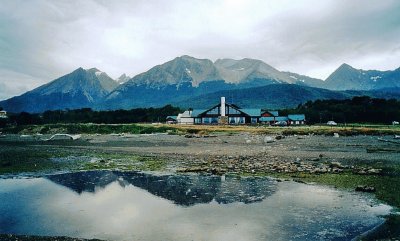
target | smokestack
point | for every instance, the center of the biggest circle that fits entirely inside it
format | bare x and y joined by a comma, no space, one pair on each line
222,106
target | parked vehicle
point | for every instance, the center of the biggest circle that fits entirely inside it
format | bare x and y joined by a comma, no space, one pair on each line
280,123
331,123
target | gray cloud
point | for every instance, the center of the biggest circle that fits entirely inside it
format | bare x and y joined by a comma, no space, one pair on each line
41,40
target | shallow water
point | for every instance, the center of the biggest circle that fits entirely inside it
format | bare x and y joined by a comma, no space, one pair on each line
139,206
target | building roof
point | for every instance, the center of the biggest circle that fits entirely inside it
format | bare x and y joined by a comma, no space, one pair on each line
281,118
186,114
251,112
273,112
270,118
172,117
297,117
197,112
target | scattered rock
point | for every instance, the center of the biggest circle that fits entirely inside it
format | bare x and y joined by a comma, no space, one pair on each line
374,171
365,188
299,181
193,169
268,139
217,171
336,164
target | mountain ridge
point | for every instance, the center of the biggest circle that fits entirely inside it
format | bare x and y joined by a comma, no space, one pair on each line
184,78
347,77
80,88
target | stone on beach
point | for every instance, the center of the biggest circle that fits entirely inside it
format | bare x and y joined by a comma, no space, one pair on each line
268,139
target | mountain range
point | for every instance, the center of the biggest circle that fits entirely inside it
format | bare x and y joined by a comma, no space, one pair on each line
190,82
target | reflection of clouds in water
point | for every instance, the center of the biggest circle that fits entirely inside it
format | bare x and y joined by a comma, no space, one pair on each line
113,209
127,212
132,213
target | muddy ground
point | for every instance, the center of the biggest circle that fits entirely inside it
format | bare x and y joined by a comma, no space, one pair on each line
221,151
343,148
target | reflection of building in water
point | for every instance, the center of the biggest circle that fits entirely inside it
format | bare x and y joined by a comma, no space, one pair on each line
183,190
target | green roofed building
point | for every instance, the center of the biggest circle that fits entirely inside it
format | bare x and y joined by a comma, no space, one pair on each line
171,119
225,113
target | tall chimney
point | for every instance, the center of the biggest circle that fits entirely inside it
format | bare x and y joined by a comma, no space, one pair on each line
222,106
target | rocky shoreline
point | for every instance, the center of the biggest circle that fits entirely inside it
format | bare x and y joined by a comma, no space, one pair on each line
261,164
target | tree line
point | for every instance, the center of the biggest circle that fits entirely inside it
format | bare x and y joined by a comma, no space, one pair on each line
361,109
87,115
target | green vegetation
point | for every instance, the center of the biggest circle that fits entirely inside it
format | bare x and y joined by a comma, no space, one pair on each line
386,185
19,159
357,110
389,231
14,237
125,162
88,115
89,129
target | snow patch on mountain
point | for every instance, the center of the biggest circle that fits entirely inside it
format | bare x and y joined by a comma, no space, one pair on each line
375,78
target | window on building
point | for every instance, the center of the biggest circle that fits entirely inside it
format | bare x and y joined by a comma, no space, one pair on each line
232,111
214,111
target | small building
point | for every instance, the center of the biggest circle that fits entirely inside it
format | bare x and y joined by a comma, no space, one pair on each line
3,114
268,117
185,118
171,119
297,119
225,113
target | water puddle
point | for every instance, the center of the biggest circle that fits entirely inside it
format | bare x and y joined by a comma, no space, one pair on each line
142,206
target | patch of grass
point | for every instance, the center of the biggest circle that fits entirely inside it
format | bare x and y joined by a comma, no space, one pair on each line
90,129
13,237
389,231
195,129
126,162
18,160
152,164
387,187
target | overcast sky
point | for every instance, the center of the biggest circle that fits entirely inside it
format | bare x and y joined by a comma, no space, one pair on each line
45,39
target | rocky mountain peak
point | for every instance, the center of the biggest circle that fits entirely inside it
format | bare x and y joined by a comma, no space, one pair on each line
123,78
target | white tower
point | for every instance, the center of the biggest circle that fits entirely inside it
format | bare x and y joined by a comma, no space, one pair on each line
222,106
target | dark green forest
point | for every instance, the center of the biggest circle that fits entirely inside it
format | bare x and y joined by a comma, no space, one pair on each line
356,110
88,115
